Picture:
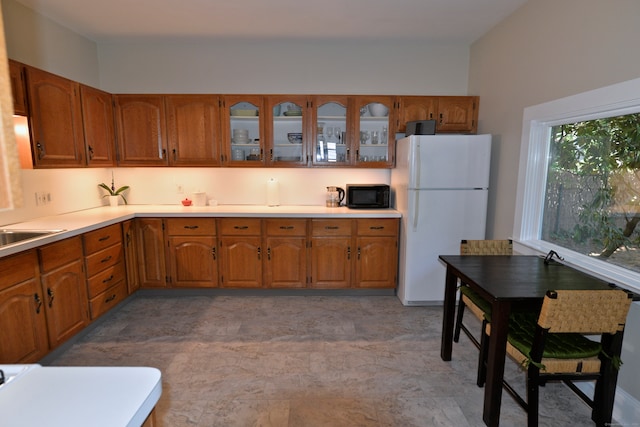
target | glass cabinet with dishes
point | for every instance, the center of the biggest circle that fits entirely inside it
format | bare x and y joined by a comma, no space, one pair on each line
373,127
331,136
287,134
242,142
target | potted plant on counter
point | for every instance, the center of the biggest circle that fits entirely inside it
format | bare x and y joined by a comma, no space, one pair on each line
114,194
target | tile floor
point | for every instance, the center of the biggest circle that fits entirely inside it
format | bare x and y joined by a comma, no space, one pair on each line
303,361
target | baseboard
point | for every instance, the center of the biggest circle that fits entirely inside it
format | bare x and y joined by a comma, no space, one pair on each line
626,409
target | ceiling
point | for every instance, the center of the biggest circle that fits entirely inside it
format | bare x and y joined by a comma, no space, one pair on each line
441,21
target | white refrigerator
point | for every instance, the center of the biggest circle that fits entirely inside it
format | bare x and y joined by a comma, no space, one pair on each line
440,185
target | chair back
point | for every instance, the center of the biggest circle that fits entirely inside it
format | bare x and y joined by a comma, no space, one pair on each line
585,311
486,247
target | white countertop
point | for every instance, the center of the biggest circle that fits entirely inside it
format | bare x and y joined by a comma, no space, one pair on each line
80,396
75,223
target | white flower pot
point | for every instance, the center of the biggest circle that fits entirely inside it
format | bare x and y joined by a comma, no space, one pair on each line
113,200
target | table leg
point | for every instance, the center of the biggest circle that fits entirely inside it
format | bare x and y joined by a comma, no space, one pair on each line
605,391
495,362
448,315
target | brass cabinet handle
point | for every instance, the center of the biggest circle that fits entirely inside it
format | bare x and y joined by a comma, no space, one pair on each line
240,227
38,301
103,239
213,253
108,279
379,227
51,296
191,227
40,148
106,259
286,227
111,298
349,252
90,149
332,227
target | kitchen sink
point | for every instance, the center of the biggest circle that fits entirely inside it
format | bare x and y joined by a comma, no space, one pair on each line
9,237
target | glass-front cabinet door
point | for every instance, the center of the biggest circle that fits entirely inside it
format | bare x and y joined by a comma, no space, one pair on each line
287,130
243,141
332,137
373,129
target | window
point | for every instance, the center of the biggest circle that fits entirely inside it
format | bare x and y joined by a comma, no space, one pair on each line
579,183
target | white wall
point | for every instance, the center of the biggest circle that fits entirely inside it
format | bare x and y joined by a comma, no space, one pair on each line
546,50
280,66
35,40
549,49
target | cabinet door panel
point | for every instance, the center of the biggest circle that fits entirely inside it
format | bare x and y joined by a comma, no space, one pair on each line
193,130
23,336
66,302
56,120
241,262
129,233
331,262
376,262
193,261
141,130
16,74
99,130
412,108
150,246
286,262
457,114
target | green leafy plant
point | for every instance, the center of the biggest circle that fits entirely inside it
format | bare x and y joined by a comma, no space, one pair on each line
112,190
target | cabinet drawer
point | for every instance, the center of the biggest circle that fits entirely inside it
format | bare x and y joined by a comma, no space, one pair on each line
104,279
102,238
60,253
103,259
331,227
108,299
286,227
240,226
377,227
191,226
18,268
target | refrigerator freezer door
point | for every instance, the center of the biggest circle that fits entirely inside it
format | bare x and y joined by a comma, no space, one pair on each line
446,161
433,224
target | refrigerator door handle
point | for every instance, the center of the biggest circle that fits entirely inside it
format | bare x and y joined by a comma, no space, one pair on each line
416,209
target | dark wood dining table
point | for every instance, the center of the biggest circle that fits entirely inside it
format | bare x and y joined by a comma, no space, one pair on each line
507,282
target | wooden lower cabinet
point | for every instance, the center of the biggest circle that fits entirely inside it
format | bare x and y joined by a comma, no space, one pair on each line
23,336
240,252
376,258
152,271
130,255
105,266
64,289
331,260
285,264
193,252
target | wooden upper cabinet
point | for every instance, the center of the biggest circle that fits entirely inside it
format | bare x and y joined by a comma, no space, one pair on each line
412,108
141,130
18,89
193,130
56,120
457,114
99,133
453,114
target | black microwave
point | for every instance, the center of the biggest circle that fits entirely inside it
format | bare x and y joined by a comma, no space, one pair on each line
367,196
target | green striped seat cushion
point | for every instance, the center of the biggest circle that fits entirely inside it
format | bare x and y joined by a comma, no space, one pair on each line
477,300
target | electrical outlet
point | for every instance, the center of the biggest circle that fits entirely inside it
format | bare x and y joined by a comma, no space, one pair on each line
43,198
179,189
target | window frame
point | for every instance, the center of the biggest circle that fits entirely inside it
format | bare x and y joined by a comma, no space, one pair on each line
618,99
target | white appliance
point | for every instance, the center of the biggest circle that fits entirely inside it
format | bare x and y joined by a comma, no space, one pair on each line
440,185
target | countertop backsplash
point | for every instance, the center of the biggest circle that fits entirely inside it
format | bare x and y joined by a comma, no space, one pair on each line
71,190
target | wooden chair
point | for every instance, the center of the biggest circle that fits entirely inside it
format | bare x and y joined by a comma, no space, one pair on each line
551,346
470,299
